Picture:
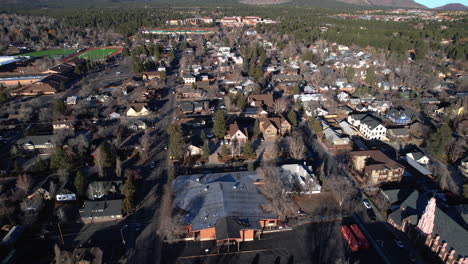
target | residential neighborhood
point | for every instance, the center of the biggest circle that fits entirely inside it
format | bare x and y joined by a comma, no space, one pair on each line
215,135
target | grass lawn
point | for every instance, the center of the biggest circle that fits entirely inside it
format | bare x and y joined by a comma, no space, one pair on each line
50,53
97,54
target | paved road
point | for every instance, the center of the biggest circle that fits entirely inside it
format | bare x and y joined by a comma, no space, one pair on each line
145,247
378,229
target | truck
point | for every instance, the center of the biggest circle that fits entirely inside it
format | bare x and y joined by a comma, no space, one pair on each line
362,240
350,239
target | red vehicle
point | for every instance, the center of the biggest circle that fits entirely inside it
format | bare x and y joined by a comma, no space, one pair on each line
350,239
363,242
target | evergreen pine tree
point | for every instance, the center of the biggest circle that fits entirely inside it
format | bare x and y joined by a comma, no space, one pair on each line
219,126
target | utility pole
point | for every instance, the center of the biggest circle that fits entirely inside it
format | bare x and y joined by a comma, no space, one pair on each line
61,235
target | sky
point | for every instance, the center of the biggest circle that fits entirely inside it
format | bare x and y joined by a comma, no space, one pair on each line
437,3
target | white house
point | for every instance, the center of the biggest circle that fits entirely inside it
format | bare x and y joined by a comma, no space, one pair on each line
419,157
137,109
343,97
189,79
299,178
371,128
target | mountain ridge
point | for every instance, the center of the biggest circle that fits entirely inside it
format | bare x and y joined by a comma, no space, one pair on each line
453,7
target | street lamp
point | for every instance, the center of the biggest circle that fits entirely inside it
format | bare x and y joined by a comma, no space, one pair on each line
121,233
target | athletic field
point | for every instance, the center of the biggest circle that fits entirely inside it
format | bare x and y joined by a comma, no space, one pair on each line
50,53
95,54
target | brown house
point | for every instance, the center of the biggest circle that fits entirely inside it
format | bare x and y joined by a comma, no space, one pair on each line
272,127
375,167
261,100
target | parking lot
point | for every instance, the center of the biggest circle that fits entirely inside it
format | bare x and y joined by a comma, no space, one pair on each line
318,242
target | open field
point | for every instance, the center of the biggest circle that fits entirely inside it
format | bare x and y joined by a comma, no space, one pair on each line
50,53
94,54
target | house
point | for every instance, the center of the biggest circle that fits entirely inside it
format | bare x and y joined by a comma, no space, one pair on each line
254,112
65,193
186,108
419,157
101,211
237,134
63,122
379,106
424,223
297,178
343,97
195,147
374,167
189,92
114,115
189,79
226,207
372,128
137,109
100,189
273,127
399,116
72,100
148,76
138,125
40,143
335,138
261,100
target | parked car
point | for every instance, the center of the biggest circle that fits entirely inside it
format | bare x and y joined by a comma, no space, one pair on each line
367,204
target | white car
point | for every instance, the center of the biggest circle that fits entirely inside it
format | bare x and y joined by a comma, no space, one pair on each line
367,204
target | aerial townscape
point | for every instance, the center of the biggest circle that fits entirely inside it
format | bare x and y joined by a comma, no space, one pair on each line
234,131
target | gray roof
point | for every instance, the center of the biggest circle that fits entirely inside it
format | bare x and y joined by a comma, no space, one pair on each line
371,122
451,232
396,195
412,207
208,197
101,208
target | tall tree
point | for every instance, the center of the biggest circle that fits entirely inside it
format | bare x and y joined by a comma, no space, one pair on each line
129,190
248,150
176,141
80,184
219,126
256,131
292,117
205,149
59,106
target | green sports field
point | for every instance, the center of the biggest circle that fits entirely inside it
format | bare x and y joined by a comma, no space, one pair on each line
97,54
50,53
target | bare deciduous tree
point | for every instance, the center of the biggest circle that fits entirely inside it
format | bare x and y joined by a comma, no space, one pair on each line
79,144
146,141
273,189
31,209
23,182
296,146
170,225
341,189
280,106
